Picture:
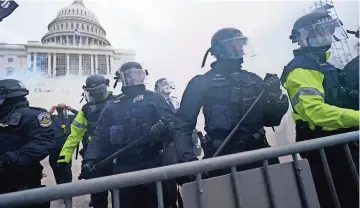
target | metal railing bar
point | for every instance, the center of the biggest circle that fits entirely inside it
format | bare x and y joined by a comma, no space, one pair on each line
352,165
68,203
268,183
329,179
159,193
199,190
300,182
68,190
236,187
115,195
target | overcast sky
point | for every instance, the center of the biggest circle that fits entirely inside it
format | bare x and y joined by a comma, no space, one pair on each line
171,37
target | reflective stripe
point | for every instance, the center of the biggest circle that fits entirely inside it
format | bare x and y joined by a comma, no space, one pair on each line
79,125
306,91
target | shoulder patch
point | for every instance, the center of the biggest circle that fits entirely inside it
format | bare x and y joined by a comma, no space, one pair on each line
138,98
14,119
45,119
118,98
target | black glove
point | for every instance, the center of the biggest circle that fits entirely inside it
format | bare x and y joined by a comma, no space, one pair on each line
159,128
87,171
272,83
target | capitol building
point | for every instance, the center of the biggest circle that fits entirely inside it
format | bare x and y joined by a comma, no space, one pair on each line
75,44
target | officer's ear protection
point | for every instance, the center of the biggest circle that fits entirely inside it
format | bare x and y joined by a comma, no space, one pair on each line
294,34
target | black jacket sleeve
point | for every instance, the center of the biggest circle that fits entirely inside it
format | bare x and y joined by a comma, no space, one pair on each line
274,109
186,118
40,138
99,146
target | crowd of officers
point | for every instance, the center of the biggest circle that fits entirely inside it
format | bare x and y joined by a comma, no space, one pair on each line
323,99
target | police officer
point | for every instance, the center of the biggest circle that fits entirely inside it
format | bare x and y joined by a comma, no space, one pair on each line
164,87
351,72
62,122
97,96
316,98
130,116
225,93
26,137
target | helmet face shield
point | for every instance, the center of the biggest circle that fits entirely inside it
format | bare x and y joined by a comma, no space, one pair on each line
321,34
234,48
132,77
96,94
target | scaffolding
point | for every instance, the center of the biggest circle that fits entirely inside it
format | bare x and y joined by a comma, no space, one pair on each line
340,50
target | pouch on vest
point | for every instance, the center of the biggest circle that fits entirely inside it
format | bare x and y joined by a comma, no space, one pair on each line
219,118
117,135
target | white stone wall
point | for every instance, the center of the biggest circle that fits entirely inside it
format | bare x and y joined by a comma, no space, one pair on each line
19,63
111,58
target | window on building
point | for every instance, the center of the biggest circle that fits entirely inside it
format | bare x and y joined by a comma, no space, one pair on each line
86,64
62,26
96,30
82,27
67,25
74,64
87,27
9,71
102,64
92,29
10,60
77,25
57,26
72,25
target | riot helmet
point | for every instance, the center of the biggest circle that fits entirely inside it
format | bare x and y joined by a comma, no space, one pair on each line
164,86
314,32
95,88
229,44
131,74
11,88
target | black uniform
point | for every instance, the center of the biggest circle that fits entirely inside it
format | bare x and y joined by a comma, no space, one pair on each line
26,137
62,172
129,117
225,93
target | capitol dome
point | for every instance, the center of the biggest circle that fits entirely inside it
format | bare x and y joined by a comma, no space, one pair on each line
76,25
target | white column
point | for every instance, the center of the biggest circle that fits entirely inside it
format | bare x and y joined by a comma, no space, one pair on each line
107,65
112,65
93,41
96,64
80,65
92,71
67,64
34,66
49,64
54,65
80,40
28,60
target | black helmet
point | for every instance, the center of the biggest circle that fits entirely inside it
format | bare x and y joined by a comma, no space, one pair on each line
11,88
316,30
130,74
227,43
96,88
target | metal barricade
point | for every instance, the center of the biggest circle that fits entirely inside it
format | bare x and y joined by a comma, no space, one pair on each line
114,182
